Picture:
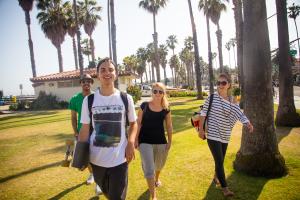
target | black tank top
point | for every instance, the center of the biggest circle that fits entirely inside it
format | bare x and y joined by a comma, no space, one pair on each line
152,126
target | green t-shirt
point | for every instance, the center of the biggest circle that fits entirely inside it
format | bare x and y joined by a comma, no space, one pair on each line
76,104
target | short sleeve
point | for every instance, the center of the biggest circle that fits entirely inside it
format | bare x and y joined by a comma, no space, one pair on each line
131,110
143,105
72,105
85,114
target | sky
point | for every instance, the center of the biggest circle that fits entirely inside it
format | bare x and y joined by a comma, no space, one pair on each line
134,29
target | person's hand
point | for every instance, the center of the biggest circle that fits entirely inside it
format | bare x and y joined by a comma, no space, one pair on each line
201,134
249,127
76,134
129,152
168,146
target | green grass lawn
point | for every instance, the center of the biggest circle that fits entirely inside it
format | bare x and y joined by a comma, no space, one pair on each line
32,146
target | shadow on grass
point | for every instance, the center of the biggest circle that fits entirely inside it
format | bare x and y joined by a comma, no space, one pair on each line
282,132
28,114
181,118
144,196
63,193
243,186
2,180
33,122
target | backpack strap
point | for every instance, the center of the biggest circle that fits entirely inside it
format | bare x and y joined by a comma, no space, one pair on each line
125,101
90,104
208,110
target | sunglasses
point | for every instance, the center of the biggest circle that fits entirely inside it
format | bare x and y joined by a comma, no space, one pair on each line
158,91
223,83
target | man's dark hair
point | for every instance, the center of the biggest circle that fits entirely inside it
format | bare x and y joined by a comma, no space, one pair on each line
107,59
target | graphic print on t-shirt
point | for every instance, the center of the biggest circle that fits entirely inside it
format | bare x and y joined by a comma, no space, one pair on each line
107,121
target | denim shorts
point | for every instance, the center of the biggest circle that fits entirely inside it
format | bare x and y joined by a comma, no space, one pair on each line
153,158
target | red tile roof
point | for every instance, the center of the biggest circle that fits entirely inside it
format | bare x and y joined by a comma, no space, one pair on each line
75,74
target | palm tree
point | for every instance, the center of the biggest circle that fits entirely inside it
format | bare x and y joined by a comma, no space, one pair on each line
85,48
259,154
171,41
113,37
52,17
151,60
286,114
217,7
205,6
153,6
109,29
78,33
163,52
294,12
90,17
196,53
228,46
214,55
238,17
71,28
141,55
233,42
27,7
174,65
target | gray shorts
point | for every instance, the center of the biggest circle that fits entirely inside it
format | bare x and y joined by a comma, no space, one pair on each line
153,157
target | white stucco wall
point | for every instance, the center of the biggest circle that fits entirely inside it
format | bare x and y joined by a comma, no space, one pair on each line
65,93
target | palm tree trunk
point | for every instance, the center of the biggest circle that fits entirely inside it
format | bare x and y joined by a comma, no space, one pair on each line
165,75
238,16
33,68
219,38
152,71
92,48
286,114
80,58
234,57
259,154
60,60
75,53
109,29
210,69
196,52
155,39
146,73
229,58
297,37
114,39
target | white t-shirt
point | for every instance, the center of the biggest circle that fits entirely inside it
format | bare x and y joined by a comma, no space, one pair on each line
108,140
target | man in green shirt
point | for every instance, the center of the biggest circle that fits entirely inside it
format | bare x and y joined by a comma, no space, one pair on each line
75,106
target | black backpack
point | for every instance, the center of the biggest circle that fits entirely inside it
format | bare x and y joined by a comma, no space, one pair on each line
125,101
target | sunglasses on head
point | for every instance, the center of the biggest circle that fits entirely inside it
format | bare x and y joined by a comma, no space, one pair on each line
158,91
223,83
86,81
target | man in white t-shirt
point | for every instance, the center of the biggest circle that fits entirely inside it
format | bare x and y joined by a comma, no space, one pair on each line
110,149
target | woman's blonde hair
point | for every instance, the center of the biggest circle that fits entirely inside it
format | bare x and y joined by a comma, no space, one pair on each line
164,100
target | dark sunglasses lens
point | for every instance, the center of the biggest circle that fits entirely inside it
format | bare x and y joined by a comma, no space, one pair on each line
161,92
222,83
155,91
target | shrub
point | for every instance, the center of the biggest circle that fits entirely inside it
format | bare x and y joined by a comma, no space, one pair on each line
47,102
236,91
135,92
21,105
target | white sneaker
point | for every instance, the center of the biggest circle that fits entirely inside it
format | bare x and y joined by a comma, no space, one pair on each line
98,190
90,179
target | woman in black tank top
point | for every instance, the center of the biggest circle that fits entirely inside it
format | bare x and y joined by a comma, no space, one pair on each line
151,139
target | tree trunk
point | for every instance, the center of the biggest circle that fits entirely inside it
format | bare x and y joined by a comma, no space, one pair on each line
286,114
80,58
219,38
196,52
60,60
297,37
238,16
92,48
146,73
152,71
259,154
114,40
165,75
155,39
109,29
210,69
75,53
33,68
